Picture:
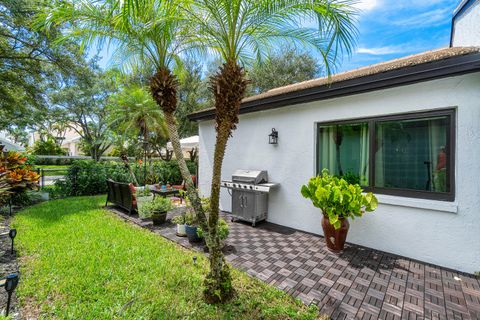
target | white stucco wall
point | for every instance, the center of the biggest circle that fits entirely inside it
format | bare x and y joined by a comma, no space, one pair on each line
466,28
443,233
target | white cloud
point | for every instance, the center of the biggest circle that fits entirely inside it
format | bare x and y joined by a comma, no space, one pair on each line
366,5
379,51
429,18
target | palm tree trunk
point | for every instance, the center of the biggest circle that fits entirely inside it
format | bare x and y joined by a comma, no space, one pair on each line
218,282
228,87
177,149
163,87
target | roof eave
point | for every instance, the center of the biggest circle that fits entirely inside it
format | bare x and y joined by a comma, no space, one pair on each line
412,74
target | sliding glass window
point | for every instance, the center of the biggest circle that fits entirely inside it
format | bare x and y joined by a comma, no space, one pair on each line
344,151
407,155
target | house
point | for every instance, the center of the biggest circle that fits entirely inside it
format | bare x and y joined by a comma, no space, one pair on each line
8,144
407,130
189,146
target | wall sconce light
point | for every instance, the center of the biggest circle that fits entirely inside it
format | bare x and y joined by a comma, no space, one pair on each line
273,137
12,234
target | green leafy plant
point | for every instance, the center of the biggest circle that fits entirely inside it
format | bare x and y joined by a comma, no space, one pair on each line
47,148
337,198
179,219
84,177
223,230
157,205
143,192
191,219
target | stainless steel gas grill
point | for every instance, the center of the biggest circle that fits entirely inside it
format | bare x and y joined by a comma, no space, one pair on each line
249,191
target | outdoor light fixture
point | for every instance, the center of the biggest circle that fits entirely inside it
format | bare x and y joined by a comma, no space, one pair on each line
12,234
195,260
273,137
10,282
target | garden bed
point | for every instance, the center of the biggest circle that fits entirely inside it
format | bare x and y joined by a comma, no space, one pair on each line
8,264
81,261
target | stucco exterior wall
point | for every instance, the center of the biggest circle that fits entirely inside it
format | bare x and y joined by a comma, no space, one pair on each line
466,28
443,233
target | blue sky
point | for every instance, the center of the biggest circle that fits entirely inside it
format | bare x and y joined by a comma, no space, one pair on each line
390,29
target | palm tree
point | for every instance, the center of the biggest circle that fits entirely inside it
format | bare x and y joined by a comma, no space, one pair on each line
146,34
240,31
133,110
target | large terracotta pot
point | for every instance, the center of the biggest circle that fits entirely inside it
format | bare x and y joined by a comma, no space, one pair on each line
335,239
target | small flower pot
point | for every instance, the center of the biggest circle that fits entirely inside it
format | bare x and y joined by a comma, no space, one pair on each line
181,230
335,239
192,234
158,218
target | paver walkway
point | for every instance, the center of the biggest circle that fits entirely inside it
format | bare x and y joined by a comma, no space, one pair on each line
360,283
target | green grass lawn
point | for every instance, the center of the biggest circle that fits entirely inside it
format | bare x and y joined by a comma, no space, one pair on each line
79,261
53,170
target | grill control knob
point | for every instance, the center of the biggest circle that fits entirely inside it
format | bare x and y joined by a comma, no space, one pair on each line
251,187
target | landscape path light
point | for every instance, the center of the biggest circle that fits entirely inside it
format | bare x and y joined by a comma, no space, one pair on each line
10,283
12,234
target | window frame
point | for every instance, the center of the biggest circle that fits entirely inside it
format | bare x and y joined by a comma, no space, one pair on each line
372,121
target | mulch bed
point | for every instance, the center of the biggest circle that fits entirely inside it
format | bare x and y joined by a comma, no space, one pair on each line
8,264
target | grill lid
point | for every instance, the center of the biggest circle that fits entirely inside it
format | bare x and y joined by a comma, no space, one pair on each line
250,176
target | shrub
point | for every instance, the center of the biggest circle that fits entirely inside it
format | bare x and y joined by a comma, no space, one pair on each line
84,177
87,177
48,147
26,198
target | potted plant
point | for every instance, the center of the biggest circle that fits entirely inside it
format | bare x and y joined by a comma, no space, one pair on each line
155,209
160,207
180,221
191,223
191,227
338,200
143,196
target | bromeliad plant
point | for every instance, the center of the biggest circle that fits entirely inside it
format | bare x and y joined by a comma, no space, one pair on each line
16,175
338,200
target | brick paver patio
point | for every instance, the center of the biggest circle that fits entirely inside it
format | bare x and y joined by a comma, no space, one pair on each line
360,283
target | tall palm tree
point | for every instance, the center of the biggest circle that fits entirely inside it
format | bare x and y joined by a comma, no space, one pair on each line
144,33
239,31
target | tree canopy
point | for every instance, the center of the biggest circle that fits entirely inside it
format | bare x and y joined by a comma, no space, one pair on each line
29,64
282,68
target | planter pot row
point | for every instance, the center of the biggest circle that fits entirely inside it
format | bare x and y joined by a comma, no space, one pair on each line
190,232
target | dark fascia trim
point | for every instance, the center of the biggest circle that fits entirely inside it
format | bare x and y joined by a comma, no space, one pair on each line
458,12
448,67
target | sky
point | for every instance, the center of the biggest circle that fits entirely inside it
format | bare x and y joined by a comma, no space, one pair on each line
388,29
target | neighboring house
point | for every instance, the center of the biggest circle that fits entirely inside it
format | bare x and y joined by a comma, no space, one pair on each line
189,145
69,137
8,144
407,129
